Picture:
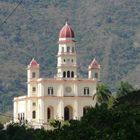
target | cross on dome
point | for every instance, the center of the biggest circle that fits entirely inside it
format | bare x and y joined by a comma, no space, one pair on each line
66,23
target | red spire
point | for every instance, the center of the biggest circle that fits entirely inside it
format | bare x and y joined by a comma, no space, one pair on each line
94,64
66,32
33,63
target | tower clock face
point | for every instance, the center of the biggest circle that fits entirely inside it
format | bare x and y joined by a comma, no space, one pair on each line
68,89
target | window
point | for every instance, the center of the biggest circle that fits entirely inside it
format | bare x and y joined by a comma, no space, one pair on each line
62,49
34,114
72,74
34,104
68,49
68,74
72,49
33,75
72,60
64,60
49,113
21,117
68,113
96,75
64,74
86,91
50,90
34,89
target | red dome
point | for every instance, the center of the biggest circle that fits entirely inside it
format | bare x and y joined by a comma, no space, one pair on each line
66,32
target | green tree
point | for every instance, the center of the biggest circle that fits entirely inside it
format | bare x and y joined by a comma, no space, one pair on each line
119,123
15,131
124,89
56,124
100,123
102,94
112,100
1,126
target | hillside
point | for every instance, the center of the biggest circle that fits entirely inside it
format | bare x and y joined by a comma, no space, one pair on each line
107,29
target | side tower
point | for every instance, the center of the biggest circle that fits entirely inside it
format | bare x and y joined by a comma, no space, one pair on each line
66,58
32,76
94,70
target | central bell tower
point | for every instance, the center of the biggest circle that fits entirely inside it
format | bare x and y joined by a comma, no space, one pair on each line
66,57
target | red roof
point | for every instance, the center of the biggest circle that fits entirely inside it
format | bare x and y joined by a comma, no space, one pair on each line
66,32
94,64
33,63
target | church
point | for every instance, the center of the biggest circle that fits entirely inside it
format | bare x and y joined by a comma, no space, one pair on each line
66,96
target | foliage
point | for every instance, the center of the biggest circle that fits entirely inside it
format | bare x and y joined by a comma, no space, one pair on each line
1,126
112,101
124,89
121,122
132,99
102,94
56,124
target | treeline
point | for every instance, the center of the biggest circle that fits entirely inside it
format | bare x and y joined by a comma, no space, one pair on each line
116,118
100,123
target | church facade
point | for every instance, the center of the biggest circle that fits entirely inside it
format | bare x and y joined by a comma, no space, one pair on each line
64,97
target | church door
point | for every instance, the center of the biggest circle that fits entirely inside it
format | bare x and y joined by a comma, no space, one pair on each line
49,113
66,113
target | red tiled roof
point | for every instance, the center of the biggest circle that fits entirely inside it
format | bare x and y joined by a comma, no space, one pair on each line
33,63
94,64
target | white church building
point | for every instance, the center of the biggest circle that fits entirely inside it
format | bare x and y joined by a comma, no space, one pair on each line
64,97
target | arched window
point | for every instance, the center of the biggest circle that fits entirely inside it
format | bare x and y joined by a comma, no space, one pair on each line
34,114
72,74
64,74
96,75
68,74
33,75
49,113
68,113
88,91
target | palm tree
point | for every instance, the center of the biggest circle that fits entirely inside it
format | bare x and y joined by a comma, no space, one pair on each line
112,101
102,94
